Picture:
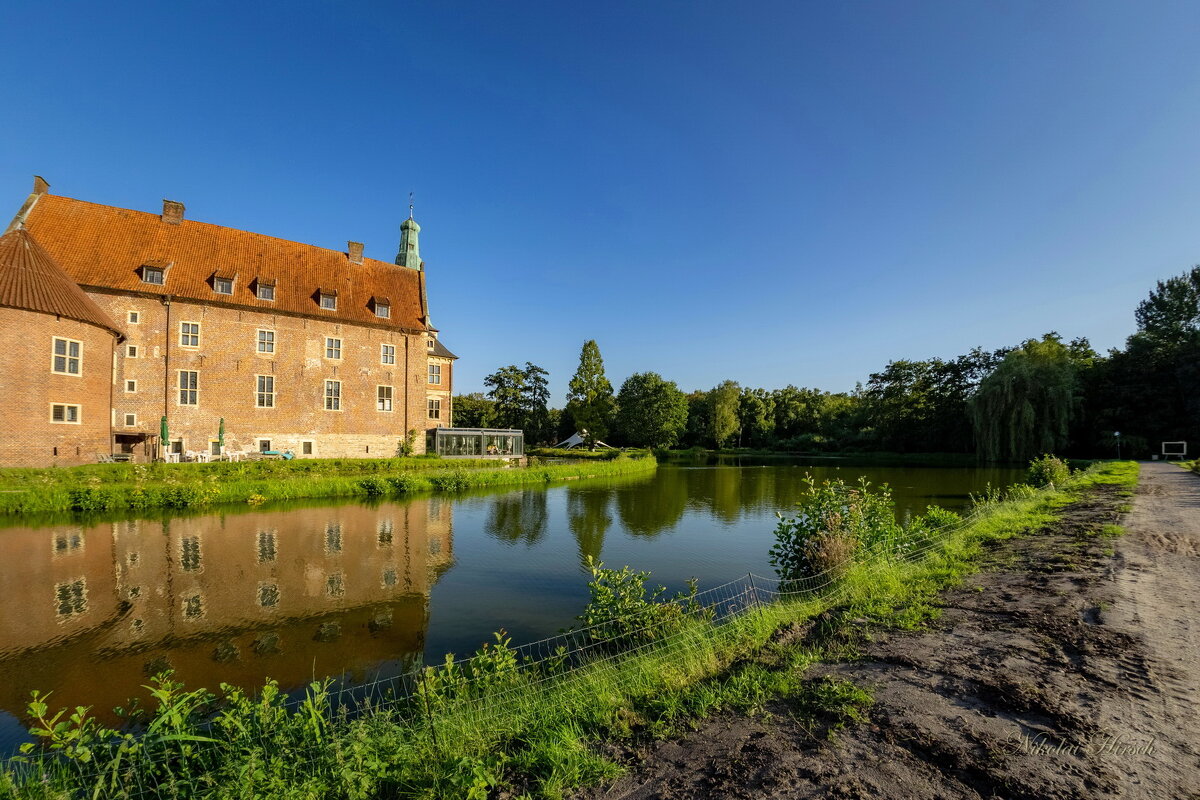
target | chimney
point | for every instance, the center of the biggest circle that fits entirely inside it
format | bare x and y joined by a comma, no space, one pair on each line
355,250
39,185
172,212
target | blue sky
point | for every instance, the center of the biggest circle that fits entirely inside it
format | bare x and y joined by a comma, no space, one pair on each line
771,193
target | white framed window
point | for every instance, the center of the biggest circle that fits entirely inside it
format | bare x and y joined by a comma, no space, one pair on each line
264,395
435,374
265,341
189,334
328,301
189,387
306,448
130,387
333,348
68,357
434,406
383,310
65,413
153,275
387,354
264,291
130,420
131,351
383,398
71,598
333,395
268,595
134,318
223,285
193,606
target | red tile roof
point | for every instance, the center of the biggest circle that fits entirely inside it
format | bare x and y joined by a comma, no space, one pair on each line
103,246
31,280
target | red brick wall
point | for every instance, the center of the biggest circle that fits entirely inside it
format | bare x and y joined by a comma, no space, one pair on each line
28,387
227,361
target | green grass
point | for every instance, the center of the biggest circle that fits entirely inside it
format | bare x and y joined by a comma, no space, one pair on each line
492,724
135,487
584,455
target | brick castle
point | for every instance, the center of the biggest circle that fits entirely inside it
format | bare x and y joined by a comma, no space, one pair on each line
112,319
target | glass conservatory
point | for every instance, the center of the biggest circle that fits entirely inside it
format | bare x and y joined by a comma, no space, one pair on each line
475,442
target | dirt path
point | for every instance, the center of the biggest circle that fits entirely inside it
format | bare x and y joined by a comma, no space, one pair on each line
1067,669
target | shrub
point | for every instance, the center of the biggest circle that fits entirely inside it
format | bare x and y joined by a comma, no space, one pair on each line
833,523
622,611
1048,471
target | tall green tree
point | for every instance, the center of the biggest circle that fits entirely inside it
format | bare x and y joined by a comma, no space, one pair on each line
756,417
651,412
724,401
473,411
590,396
520,396
1024,407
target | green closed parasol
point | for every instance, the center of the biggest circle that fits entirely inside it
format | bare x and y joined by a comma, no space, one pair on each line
221,436
163,435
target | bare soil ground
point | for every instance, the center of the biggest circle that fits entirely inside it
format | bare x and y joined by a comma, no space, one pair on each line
1068,668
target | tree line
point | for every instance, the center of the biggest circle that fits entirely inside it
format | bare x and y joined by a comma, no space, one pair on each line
1013,403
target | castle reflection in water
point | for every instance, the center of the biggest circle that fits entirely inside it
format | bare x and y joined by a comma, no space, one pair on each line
94,610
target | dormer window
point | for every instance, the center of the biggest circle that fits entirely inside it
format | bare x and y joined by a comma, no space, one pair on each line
328,300
264,288
223,285
155,272
383,307
429,342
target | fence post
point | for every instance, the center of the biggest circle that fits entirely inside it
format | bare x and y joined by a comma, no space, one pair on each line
428,710
753,588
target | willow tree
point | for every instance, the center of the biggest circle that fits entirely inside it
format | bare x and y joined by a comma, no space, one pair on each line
1023,408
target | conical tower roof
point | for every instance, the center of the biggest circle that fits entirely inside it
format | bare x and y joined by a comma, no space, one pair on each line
31,280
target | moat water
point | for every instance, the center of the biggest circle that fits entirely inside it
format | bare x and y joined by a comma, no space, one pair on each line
90,609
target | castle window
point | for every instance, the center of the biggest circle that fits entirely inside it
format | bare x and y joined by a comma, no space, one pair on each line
268,595
333,395
71,598
384,398
131,351
306,448
130,420
264,291
266,341
193,607
267,548
264,445
435,374
130,387
68,356
60,412
383,307
189,334
265,394
155,275
333,348
189,387
134,318
434,406
329,301
387,354
189,553
429,342
223,285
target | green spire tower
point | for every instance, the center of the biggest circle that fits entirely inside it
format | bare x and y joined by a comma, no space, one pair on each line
410,251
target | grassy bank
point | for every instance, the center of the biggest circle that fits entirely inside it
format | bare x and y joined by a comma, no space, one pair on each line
529,721
136,487
580,454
